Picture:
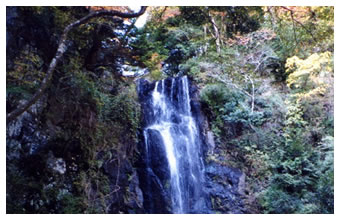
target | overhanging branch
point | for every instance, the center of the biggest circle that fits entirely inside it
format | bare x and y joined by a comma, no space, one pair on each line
298,22
62,47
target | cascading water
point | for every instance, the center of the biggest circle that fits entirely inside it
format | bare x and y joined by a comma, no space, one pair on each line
174,167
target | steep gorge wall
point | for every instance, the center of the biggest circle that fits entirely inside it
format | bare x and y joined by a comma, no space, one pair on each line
58,163
224,184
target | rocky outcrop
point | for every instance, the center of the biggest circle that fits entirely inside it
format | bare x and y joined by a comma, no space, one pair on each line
225,186
26,133
126,194
56,174
154,175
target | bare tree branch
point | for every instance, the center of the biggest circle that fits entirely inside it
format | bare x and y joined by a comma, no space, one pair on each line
125,37
298,22
272,18
260,62
230,83
163,11
253,92
206,13
62,47
295,38
216,34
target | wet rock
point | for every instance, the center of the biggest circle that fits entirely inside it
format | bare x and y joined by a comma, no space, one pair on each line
125,187
157,155
57,165
135,195
156,198
225,186
242,184
211,141
25,133
171,114
13,149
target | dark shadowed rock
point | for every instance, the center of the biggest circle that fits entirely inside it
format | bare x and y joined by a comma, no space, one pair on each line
225,186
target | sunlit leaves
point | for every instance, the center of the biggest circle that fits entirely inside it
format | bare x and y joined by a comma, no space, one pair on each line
27,71
302,30
311,76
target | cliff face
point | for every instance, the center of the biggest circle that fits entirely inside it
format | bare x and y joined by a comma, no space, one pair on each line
224,184
53,167
61,161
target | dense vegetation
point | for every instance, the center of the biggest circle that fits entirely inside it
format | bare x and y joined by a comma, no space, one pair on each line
265,76
90,114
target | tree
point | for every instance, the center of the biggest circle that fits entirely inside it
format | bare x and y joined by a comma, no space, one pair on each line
62,47
302,30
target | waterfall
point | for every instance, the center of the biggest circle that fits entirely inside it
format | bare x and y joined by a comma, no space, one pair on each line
172,145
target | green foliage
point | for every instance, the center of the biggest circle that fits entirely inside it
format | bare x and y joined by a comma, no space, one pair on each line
302,30
200,68
230,113
27,70
123,109
84,118
17,91
150,48
312,74
325,184
299,164
195,15
223,104
235,19
72,204
284,145
278,201
160,43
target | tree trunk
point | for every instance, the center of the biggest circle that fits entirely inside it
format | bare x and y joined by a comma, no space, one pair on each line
216,34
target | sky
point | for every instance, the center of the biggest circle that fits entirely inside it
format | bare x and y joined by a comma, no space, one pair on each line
140,20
